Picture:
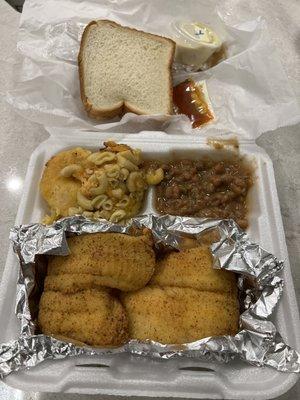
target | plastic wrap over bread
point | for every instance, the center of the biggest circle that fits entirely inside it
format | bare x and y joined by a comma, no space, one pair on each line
257,342
48,90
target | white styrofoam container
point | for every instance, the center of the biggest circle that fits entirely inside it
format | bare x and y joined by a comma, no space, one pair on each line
131,375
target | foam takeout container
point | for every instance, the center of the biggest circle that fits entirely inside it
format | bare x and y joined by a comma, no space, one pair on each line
128,375
47,91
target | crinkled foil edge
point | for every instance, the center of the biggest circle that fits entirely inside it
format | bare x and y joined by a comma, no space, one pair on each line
258,342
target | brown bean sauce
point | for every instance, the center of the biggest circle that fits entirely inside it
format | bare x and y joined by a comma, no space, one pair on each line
205,188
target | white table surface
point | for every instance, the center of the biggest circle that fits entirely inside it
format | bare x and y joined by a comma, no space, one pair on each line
19,137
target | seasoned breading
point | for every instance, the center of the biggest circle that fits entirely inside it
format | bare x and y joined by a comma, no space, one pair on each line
72,283
114,260
61,193
93,317
192,268
180,315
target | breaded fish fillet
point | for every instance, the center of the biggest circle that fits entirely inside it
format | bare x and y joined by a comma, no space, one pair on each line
109,259
72,283
93,317
180,315
192,268
61,193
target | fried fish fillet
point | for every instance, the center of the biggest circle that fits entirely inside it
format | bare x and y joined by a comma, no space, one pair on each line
61,193
103,259
180,315
72,283
93,317
192,268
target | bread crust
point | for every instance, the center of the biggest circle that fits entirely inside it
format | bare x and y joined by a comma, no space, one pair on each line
123,107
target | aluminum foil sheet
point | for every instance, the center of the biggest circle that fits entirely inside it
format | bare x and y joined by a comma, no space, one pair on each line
260,287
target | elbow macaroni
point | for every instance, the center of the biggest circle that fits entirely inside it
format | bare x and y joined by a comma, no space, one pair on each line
117,216
102,184
135,182
98,201
83,202
155,177
124,174
123,203
69,170
107,205
134,156
113,185
75,210
125,163
112,170
101,157
117,193
103,214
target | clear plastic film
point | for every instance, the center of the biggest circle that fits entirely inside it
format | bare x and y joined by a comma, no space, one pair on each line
249,90
260,286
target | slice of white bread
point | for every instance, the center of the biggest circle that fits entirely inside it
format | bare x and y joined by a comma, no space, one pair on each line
124,70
